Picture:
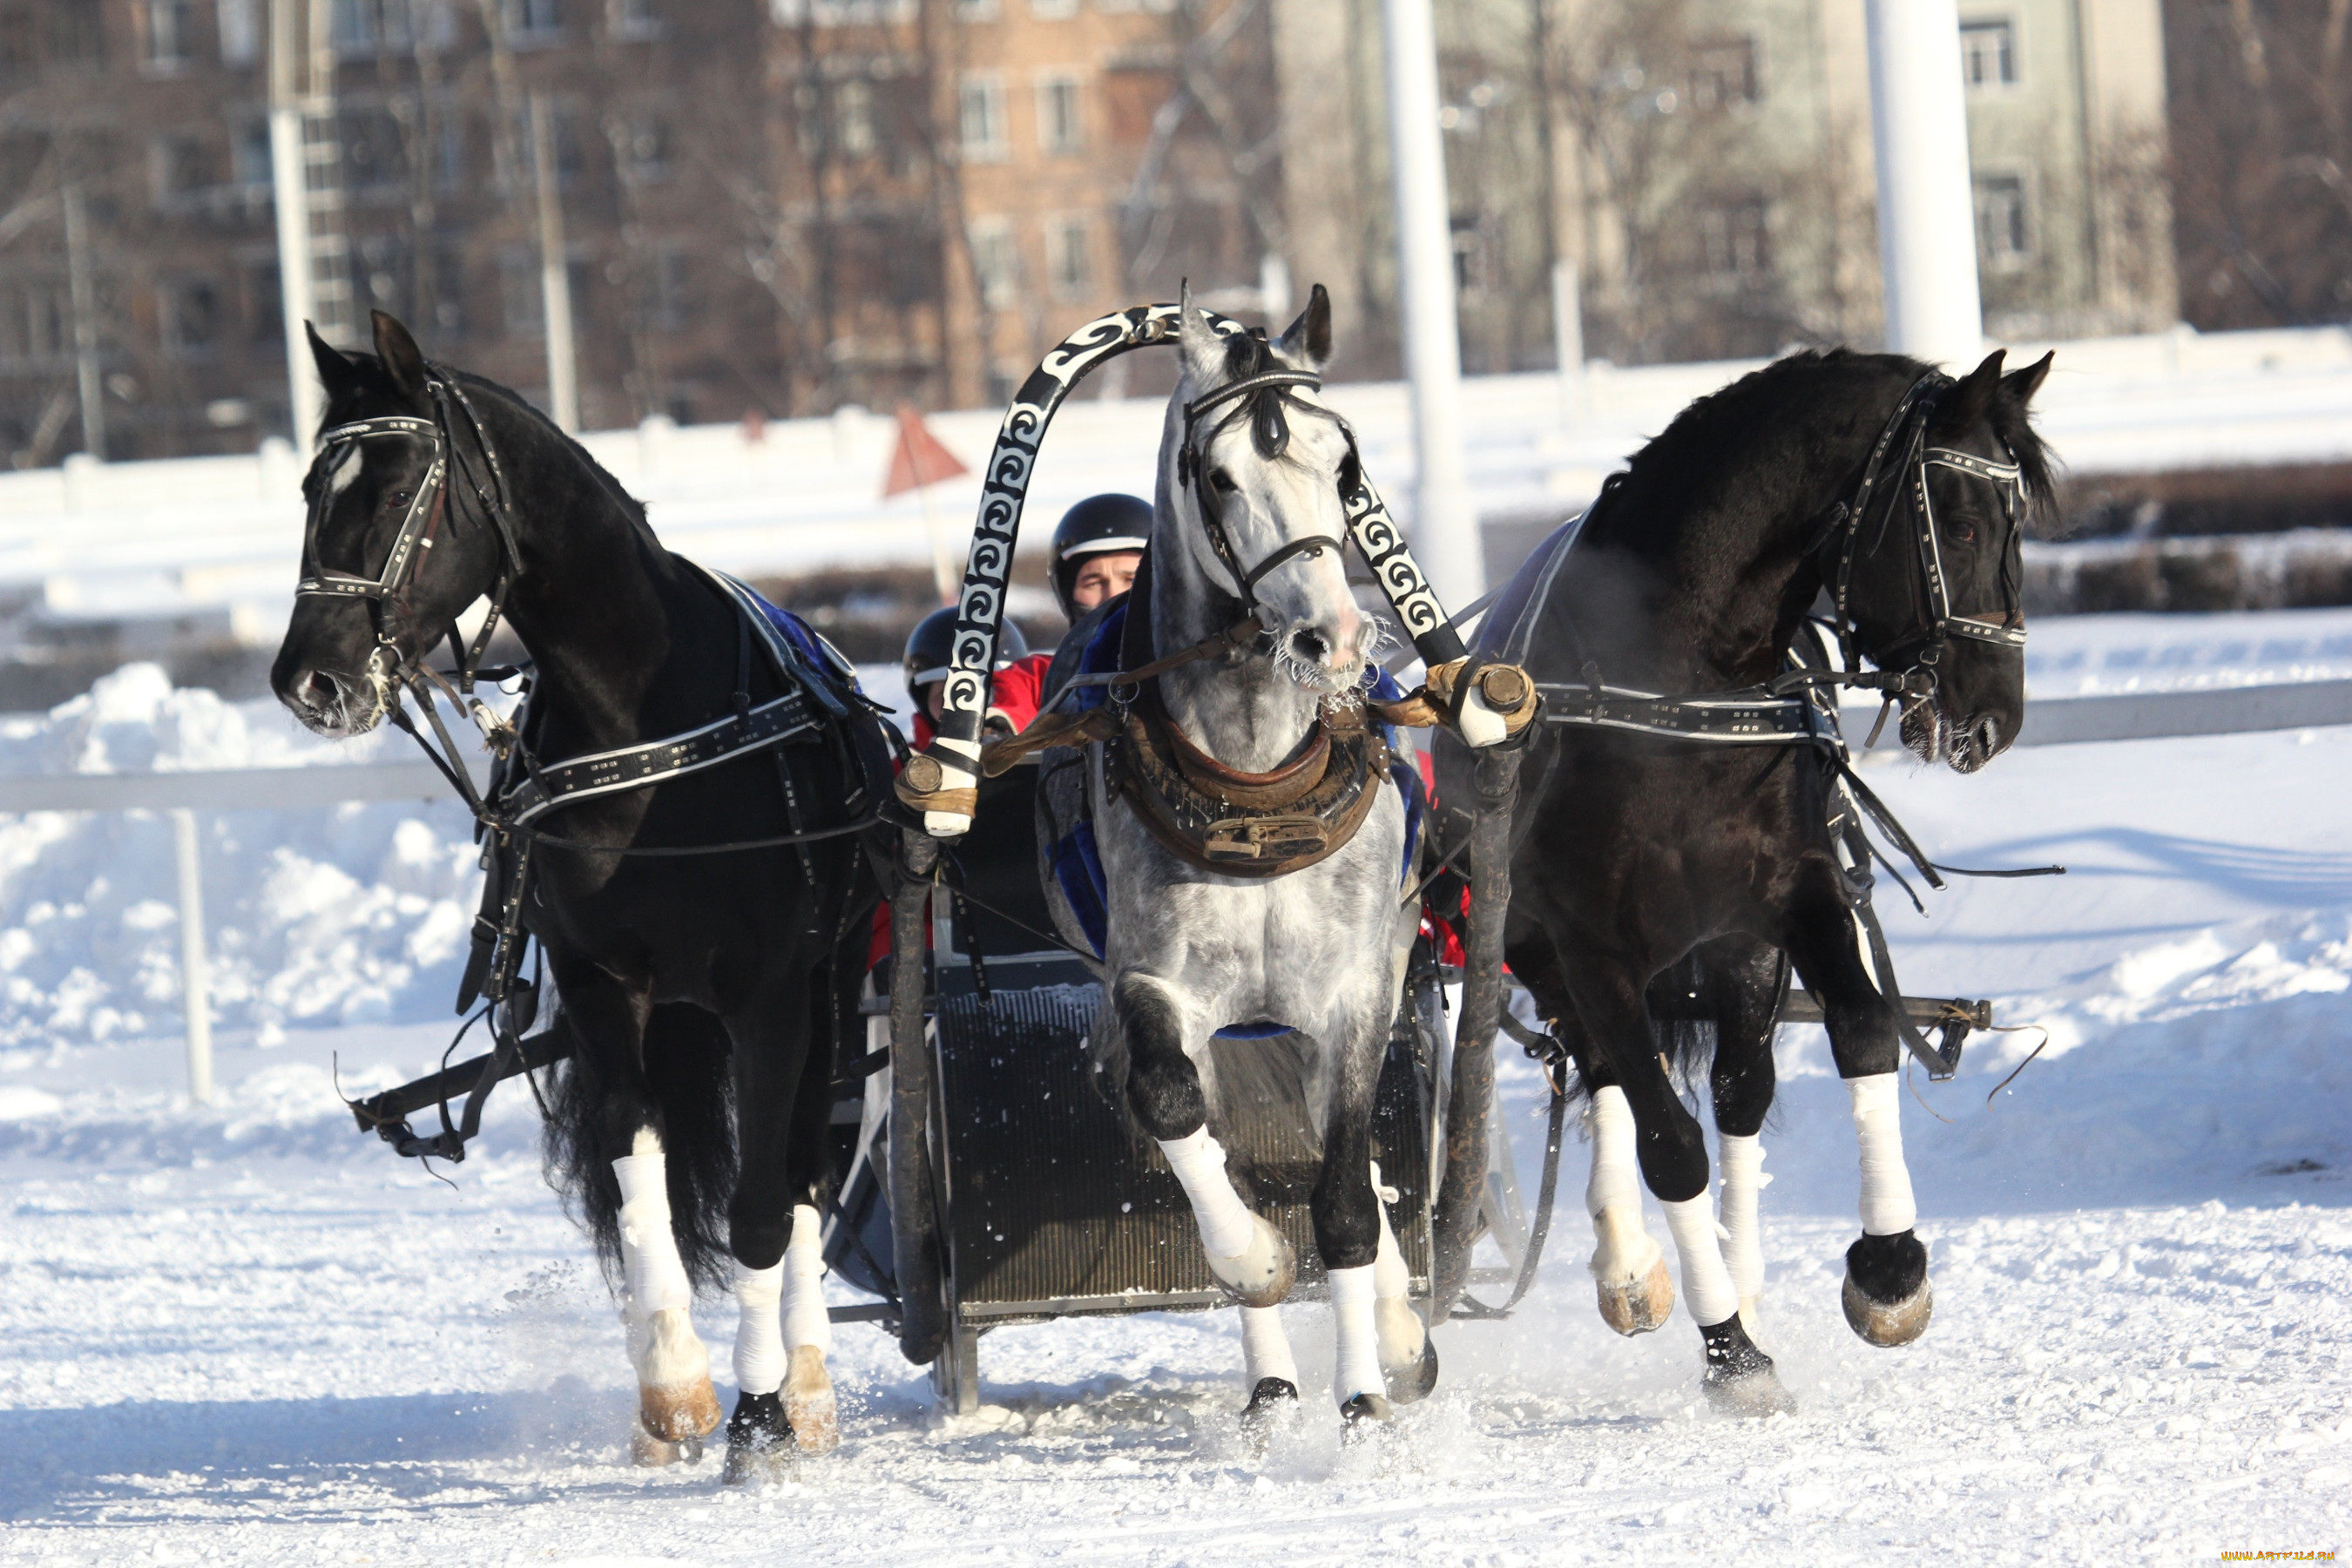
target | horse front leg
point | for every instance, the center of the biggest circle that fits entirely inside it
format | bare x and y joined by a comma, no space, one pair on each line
785,1400
676,1403
1746,976
1886,1296
1250,1258
1671,1152
1635,1292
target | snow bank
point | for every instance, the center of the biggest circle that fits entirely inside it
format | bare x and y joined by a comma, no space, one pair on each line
356,913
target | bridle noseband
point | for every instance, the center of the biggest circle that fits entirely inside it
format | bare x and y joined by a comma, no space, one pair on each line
1258,397
416,527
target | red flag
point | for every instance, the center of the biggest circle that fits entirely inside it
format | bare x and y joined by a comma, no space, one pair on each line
919,460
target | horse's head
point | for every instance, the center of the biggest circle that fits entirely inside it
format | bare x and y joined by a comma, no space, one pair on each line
1250,518
1957,515
384,575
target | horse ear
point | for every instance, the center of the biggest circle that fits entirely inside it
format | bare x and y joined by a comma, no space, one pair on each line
337,374
1204,350
404,362
2021,385
1973,397
1308,339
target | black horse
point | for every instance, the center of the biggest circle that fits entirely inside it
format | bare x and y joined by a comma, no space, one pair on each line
693,984
1670,858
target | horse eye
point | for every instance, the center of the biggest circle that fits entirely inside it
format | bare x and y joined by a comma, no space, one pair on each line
1221,481
396,501
1962,530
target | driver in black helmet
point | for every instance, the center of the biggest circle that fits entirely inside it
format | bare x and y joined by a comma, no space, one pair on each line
1097,548
1013,690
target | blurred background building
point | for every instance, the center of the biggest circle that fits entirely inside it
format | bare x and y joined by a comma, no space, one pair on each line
786,206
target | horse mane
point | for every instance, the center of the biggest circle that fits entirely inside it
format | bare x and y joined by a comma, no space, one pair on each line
1693,442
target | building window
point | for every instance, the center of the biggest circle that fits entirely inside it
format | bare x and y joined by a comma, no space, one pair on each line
1053,10
1988,54
1469,258
1723,75
2004,222
240,31
980,120
1735,241
995,263
183,167
169,42
191,318
1070,264
636,21
248,154
266,303
76,34
666,307
1059,131
533,22
977,10
853,117
362,29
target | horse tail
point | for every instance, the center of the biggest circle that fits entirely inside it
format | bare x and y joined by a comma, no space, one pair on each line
1679,994
688,1070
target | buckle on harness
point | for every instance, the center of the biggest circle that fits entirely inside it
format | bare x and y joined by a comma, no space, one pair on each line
1263,838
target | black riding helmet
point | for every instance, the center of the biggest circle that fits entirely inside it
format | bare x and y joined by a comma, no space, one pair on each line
1098,525
933,641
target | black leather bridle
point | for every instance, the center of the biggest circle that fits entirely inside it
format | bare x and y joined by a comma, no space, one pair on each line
1259,398
426,507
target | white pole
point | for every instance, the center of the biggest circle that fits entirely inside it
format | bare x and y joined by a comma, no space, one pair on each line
1445,525
554,278
1568,338
290,192
1926,208
196,999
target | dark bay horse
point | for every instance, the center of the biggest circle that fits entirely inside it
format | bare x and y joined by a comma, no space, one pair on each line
705,992
1645,862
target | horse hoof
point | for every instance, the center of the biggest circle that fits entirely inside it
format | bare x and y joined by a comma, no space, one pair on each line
1263,1276
1888,1323
648,1452
1886,1297
1366,1411
1272,1403
1409,1379
760,1446
678,1411
1638,1306
810,1409
1739,1378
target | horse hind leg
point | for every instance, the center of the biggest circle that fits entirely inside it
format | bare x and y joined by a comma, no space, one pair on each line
1408,1354
1747,978
676,1403
809,1403
1637,1292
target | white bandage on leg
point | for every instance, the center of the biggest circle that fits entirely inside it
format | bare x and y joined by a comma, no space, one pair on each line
1402,1336
1391,1279
1887,1207
656,1278
1359,1353
1743,1244
1266,1349
759,1339
1708,1290
1616,1180
1226,1225
807,1322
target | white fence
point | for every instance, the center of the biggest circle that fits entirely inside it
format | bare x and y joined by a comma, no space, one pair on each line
2063,721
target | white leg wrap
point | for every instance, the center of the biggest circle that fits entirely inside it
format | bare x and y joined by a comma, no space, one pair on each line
759,1339
1266,1349
1390,1280
807,1322
656,1278
1743,1245
1401,1331
1359,1353
1887,1207
1706,1284
1616,1175
1226,1227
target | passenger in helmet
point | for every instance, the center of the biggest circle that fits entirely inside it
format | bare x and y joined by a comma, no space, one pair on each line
1013,691
1097,548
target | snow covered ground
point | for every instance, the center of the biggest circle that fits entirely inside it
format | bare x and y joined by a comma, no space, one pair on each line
247,1334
